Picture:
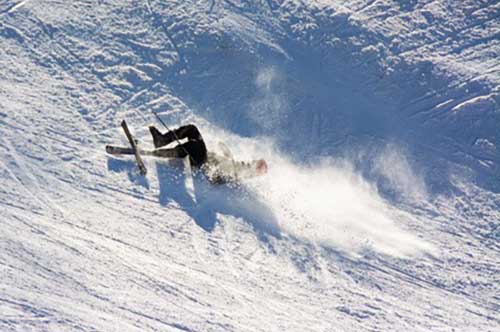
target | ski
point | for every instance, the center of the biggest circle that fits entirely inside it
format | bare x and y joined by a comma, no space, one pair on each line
135,150
119,150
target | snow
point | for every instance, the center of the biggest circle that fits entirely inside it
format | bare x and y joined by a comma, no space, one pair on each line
478,103
380,124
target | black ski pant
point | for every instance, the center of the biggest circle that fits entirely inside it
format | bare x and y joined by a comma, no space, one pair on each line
194,147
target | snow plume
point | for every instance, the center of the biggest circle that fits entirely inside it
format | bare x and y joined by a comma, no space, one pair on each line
393,166
330,204
270,105
333,205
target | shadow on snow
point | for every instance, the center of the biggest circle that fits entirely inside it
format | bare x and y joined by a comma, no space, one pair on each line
202,201
129,167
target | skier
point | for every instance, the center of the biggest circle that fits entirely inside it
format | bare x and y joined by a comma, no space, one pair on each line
218,169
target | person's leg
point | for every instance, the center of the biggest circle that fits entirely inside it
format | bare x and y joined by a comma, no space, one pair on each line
197,152
189,131
195,149
176,152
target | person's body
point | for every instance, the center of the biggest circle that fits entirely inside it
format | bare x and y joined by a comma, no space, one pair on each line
218,168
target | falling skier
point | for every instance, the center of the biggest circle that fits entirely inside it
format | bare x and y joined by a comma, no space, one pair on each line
217,168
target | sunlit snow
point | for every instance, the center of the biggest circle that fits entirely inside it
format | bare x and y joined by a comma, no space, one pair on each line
380,123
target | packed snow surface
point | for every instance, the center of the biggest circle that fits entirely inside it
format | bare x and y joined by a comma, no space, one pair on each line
380,122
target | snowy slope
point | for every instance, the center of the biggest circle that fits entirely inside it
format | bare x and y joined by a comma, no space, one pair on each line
380,123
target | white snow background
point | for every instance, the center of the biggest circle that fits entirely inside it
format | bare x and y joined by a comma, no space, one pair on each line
380,122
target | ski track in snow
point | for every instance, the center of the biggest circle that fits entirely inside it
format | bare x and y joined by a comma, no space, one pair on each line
379,121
